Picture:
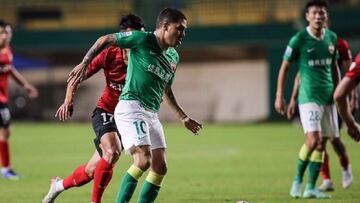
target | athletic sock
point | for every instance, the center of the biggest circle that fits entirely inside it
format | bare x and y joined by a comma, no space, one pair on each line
344,162
325,168
315,163
302,163
77,178
102,176
4,154
128,184
150,188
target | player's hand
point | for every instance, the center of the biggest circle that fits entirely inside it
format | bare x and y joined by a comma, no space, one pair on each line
354,131
78,74
280,105
291,109
192,125
31,91
65,111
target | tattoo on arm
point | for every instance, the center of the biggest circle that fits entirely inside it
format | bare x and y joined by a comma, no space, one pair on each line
99,45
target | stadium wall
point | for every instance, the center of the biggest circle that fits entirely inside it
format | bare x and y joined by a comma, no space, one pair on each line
234,91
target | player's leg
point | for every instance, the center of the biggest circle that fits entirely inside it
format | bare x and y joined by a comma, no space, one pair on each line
132,123
108,145
329,128
80,176
327,184
142,158
111,149
154,179
310,125
340,149
5,119
315,163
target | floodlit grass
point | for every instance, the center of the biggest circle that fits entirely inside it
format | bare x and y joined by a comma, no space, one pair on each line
223,164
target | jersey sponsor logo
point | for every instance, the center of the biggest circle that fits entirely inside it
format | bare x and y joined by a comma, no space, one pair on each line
310,50
159,72
125,34
116,86
288,51
331,49
320,62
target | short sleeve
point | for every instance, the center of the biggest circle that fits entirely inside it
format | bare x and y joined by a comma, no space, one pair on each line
130,39
292,49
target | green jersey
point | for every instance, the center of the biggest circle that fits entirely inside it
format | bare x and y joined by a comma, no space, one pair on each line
315,58
150,69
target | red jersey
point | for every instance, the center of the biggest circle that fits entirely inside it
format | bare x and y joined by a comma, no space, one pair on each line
6,58
344,50
112,61
354,72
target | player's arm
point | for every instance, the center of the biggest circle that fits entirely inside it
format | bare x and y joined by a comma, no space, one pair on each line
189,123
280,104
346,63
66,108
293,99
340,96
79,72
19,79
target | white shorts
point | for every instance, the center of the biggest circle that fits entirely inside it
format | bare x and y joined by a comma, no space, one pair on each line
322,118
138,126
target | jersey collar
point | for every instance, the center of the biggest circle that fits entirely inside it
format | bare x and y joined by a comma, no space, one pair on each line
313,36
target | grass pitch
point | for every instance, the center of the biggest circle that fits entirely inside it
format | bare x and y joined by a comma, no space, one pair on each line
225,163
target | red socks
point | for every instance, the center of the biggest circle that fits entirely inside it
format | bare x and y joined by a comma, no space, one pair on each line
4,154
77,178
325,168
102,176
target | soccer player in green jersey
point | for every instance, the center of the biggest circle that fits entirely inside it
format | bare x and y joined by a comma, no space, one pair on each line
151,71
314,48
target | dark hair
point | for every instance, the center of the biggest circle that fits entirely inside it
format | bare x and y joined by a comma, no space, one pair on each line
320,3
169,15
131,21
3,23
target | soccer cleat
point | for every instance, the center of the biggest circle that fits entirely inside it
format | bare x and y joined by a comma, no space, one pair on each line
347,177
315,193
295,189
327,185
53,191
10,175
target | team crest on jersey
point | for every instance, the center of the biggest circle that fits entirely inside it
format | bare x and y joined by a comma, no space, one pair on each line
331,48
173,66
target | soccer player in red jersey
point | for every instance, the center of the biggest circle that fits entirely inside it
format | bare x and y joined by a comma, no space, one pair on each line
345,59
347,84
113,61
6,70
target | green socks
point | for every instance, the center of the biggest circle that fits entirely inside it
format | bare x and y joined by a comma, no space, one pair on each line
315,164
302,163
128,184
150,188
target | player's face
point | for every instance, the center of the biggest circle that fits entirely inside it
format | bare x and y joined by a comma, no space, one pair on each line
3,37
175,32
317,17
